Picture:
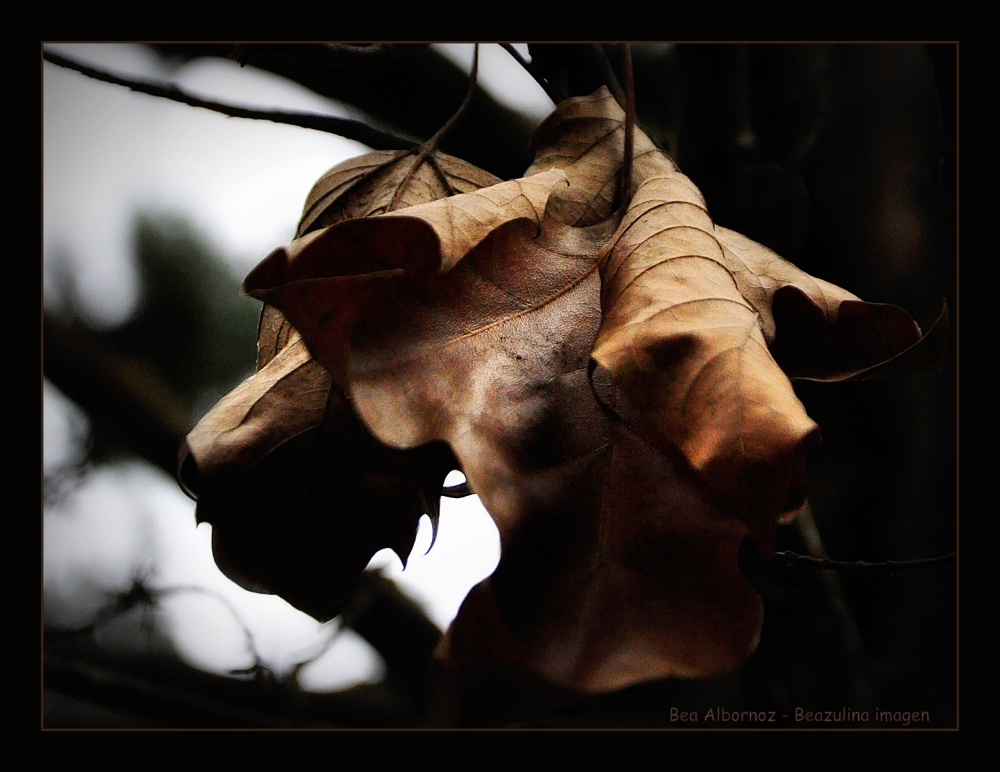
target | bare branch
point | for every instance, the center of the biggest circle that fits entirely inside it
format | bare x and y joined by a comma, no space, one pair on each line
343,127
409,89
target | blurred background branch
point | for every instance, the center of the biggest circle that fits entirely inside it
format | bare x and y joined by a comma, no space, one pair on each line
344,127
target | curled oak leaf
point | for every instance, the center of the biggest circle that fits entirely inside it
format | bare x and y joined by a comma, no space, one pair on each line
299,493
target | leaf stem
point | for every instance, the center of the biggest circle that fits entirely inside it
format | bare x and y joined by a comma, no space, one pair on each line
428,148
626,176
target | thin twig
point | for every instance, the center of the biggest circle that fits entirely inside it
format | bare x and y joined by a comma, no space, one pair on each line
850,639
140,594
332,634
793,559
429,147
258,667
343,127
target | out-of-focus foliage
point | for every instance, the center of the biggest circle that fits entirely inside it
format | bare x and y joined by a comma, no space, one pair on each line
190,339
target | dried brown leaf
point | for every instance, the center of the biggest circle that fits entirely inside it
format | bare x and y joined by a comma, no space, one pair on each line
617,564
372,183
612,377
585,137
